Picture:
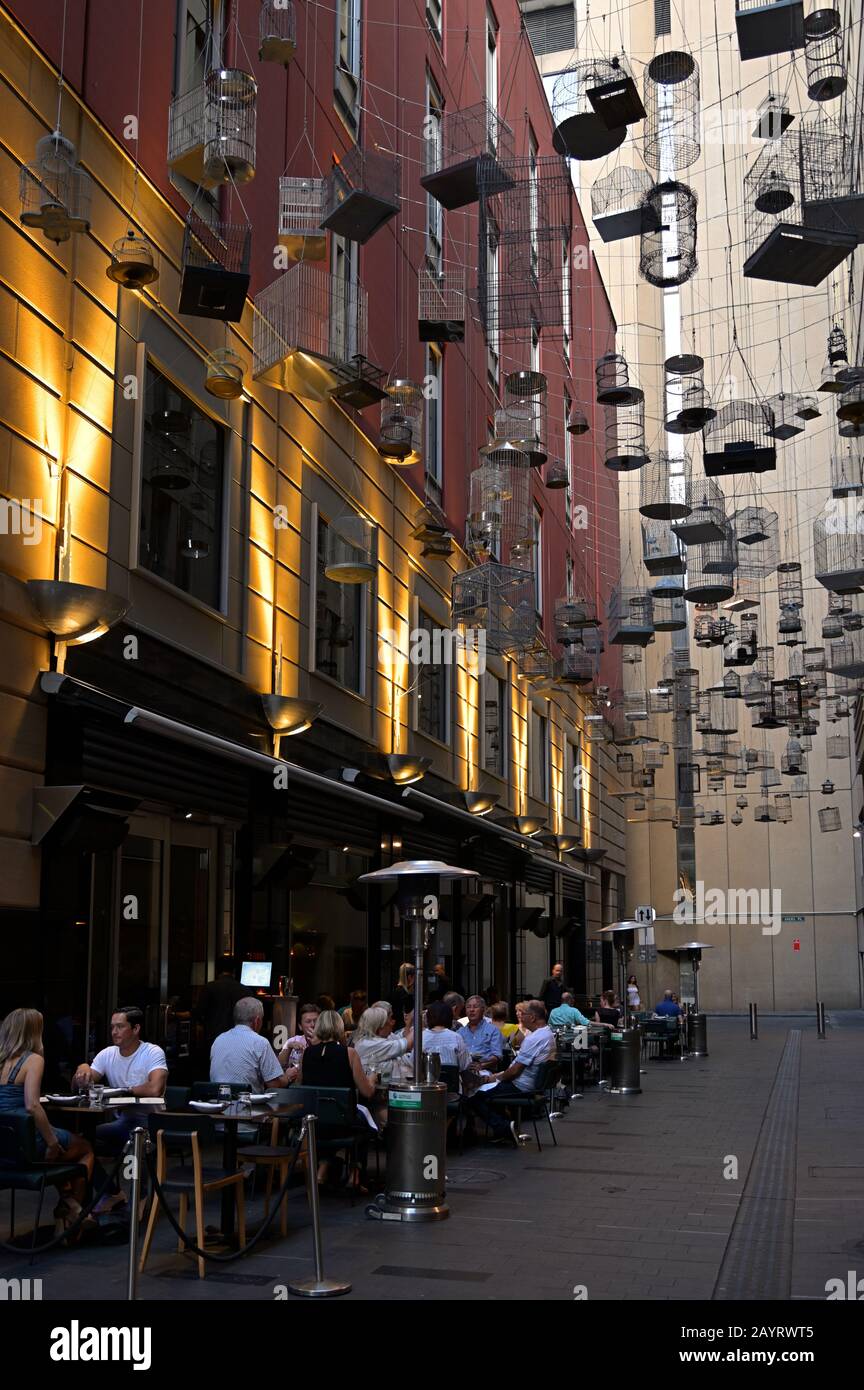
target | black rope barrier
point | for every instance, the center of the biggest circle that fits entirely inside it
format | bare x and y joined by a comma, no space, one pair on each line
69,1230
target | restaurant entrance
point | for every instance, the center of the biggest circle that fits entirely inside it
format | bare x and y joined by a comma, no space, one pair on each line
160,911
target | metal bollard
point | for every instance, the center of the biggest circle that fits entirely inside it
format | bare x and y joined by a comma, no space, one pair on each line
137,1139
820,1021
319,1287
754,1023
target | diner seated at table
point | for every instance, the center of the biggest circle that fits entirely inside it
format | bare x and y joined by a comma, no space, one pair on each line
354,1009
132,1065
373,1042
484,1041
440,1037
22,1065
517,1038
241,1057
500,1016
329,1061
289,1055
608,1012
566,1015
520,1078
457,1007
667,1008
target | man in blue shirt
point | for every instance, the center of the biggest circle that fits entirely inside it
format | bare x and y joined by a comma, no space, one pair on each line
520,1078
667,1008
567,1015
483,1040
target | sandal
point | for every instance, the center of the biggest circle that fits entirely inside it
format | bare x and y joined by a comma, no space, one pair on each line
68,1211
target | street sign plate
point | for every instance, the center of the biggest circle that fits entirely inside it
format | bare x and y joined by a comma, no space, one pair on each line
645,915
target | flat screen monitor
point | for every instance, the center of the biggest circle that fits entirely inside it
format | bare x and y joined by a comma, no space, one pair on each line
256,973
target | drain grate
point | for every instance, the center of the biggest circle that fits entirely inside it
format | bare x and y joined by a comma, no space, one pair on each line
757,1264
464,1276
219,1276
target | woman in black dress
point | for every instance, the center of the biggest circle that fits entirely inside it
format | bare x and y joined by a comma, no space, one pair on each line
329,1062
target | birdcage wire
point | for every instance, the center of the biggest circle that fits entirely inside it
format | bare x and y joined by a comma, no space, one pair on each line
790,584
757,535
831,191
580,131
787,421
671,96
838,545
55,192
224,374
402,415
706,520
579,664
500,600
663,487
573,614
710,570
350,546
458,145
846,655
310,311
667,254
441,303
662,551
230,125
826,66
829,818
526,212
133,261
614,386
301,207
626,449
500,509
688,404
215,268
846,475
737,439
618,207
277,32
670,613
361,193
630,616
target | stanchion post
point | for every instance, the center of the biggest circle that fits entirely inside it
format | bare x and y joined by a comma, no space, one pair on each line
319,1287
754,1023
820,1021
137,1141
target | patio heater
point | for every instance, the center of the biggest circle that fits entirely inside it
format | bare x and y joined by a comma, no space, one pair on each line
417,1109
626,1044
697,1022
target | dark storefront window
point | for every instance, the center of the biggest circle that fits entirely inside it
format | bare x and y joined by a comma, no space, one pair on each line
432,690
494,726
339,611
328,951
182,487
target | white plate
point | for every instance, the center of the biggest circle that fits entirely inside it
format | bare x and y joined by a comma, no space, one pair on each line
207,1104
66,1100
265,1095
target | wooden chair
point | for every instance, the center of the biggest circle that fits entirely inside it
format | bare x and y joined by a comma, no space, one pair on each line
275,1157
197,1180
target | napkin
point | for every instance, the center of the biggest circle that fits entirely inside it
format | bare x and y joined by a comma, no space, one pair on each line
206,1104
136,1100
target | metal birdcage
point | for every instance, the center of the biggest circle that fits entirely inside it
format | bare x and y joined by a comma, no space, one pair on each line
618,207
737,440
55,192
133,261
766,27
230,120
581,132
846,475
826,66
577,421
688,404
790,585
579,664
500,509
301,207
838,546
831,192
277,32
706,520
499,599
757,534
667,254
715,714
829,818
850,413
791,626
783,807
214,277
667,586
350,549
630,617
614,386
526,214
846,656
710,570
521,420
625,437
670,613
788,238
663,488
401,432
313,314
572,616
361,193
224,374
671,94
814,661
662,551
441,303
787,421
773,117
557,475
459,144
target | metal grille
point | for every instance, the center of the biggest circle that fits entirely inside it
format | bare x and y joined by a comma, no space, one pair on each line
671,94
501,600
441,295
526,210
301,207
552,30
308,310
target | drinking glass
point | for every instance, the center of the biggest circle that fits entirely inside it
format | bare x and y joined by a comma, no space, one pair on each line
245,1099
224,1094
96,1095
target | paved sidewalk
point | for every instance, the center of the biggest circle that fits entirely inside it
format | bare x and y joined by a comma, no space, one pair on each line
632,1204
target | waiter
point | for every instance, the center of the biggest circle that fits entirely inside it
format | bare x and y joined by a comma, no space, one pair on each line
552,988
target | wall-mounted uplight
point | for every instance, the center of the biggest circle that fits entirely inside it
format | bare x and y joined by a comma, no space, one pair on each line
480,803
74,613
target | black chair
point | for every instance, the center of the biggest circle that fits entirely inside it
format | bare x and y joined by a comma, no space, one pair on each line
534,1105
340,1129
456,1105
177,1097
21,1168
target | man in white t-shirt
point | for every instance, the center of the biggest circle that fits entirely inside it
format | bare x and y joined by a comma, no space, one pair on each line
137,1066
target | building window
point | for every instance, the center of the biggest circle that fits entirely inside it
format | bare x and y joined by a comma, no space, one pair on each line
574,780
533,204
552,30
538,560
434,387
435,18
348,50
194,57
568,465
662,17
494,725
539,756
491,59
434,210
493,335
432,687
566,296
343,308
340,612
182,491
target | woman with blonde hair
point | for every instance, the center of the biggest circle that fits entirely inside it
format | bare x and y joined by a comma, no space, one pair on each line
402,998
330,1062
22,1064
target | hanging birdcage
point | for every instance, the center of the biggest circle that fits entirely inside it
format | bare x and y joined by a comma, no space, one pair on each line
301,207
230,118
732,686
663,488
522,419
709,630
557,475
736,441
671,95
793,761
526,216
624,762
688,404
837,708
277,32
224,374
790,585
710,568
358,382
401,433
757,534
686,691
458,144
349,555
613,382
500,510
814,660
833,197
715,714
577,421
500,599
625,438
846,477
790,627
55,191
581,131
838,546
850,413
630,617
132,263
773,116
799,787
667,254
572,616
631,656
766,27
430,523
596,729
441,303
706,520
662,552
214,277
807,408
618,207
763,812
670,613
306,324
579,664
792,227
787,422
829,818
783,807
826,67
361,193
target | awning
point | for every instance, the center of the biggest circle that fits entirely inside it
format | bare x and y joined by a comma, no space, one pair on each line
53,683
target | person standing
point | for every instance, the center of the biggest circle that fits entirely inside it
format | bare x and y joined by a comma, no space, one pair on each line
633,1000
215,1008
552,988
402,999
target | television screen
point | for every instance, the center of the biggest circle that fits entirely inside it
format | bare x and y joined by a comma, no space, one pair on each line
256,973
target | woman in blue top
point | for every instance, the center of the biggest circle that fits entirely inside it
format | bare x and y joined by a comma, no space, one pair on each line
21,1068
